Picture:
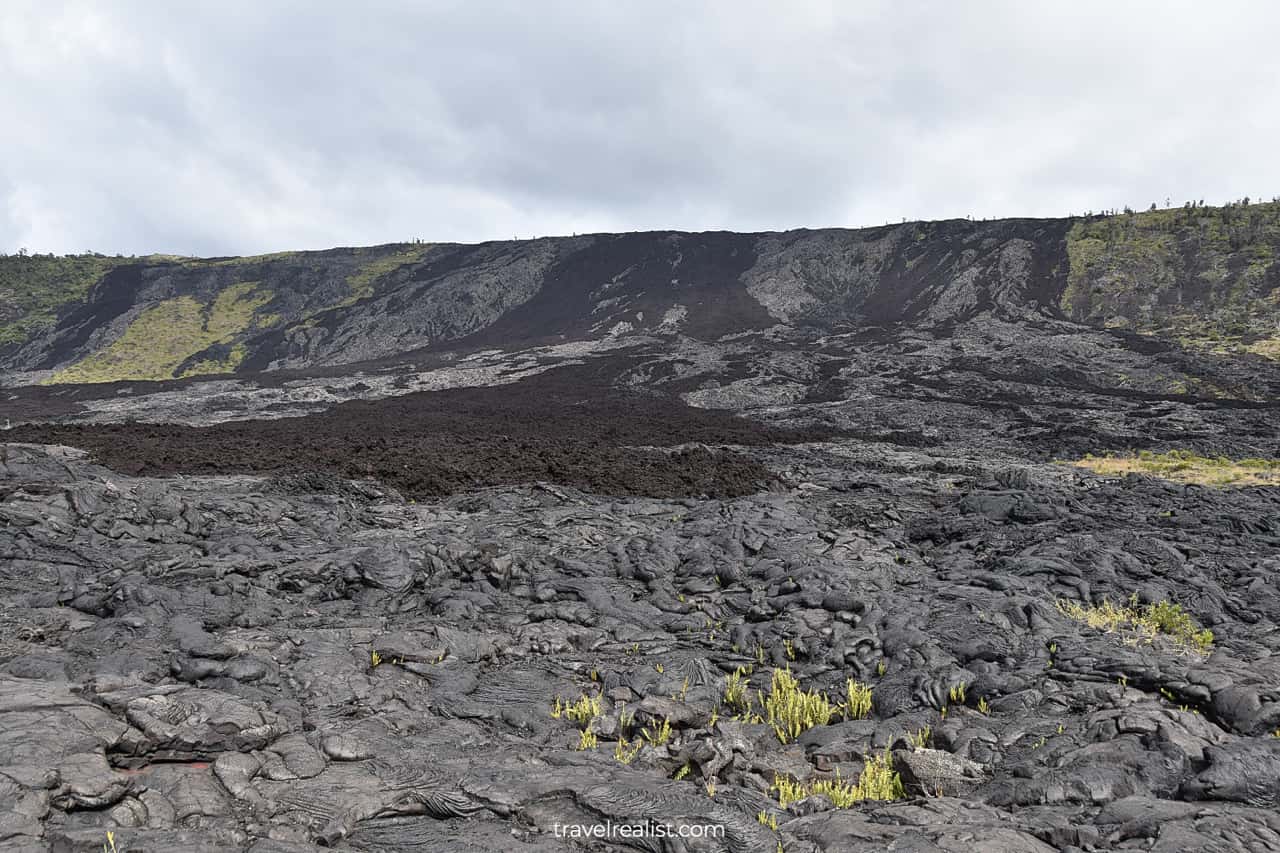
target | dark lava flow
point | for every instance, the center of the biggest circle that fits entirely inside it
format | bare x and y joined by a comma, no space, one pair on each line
558,427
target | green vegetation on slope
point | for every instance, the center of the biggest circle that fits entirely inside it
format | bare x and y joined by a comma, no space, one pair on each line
374,263
206,366
165,335
374,266
363,280
34,287
183,335
1207,276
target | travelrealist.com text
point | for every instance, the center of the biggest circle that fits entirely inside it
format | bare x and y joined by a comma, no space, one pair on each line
642,829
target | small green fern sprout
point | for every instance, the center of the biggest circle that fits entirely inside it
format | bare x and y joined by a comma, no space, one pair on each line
660,735
682,772
878,781
920,739
857,702
788,790
626,751
735,691
791,710
584,711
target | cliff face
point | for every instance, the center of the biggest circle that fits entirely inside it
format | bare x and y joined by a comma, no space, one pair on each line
1208,275
1205,275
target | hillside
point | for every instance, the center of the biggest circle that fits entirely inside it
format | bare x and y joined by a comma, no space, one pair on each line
1207,277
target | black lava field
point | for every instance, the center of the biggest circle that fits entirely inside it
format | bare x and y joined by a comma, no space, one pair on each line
772,586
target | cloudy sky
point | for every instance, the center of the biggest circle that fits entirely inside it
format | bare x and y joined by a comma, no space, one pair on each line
240,127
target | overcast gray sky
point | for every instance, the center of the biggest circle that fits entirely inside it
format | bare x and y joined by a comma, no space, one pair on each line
243,127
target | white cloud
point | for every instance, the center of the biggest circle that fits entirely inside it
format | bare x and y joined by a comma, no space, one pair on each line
238,127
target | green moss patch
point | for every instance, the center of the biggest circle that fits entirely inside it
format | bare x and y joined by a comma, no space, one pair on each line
34,287
164,336
206,366
362,281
